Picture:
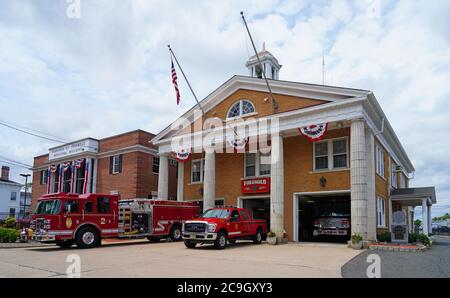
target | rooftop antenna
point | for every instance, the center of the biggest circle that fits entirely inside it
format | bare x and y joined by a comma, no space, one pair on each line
274,102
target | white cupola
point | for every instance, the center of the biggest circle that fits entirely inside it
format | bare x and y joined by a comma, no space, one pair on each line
270,64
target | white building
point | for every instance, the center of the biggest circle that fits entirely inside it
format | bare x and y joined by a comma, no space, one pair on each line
9,195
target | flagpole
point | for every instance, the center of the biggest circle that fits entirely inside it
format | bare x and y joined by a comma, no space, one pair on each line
274,103
186,79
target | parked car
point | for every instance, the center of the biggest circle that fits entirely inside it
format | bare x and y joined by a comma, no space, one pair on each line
221,225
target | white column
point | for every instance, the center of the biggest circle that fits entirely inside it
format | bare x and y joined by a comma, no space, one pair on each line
277,187
425,217
94,179
163,178
371,197
209,180
430,220
90,170
180,182
358,173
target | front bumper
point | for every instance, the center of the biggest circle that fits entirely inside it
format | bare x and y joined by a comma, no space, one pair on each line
331,232
44,238
200,237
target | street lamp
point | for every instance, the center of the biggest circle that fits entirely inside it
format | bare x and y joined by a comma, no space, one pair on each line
25,196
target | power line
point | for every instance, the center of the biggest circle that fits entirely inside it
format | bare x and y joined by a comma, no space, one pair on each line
30,133
15,164
14,161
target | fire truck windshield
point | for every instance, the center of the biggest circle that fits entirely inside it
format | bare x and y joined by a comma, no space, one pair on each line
48,207
216,213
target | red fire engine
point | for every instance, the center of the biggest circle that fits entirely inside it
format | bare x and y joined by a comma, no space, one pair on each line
84,220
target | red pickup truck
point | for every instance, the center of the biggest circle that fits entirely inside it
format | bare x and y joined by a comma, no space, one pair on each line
221,225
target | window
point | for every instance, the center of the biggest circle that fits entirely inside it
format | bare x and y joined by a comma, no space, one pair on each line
330,155
12,212
173,162
394,175
66,181
381,212
155,165
80,178
380,161
256,164
234,215
44,177
241,108
197,170
13,196
56,181
115,164
102,205
243,214
88,207
73,206
402,181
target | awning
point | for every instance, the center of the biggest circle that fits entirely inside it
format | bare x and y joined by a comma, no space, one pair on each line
414,196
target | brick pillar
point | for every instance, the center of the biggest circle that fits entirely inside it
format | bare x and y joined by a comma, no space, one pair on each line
358,173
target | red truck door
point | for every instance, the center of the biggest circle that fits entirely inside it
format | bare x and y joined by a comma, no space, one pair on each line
106,215
235,228
70,217
246,223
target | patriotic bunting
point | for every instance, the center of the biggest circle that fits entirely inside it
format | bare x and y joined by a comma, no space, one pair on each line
86,177
238,143
314,132
78,163
182,155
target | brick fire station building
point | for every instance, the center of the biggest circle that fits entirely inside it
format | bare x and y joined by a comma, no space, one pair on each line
358,167
125,164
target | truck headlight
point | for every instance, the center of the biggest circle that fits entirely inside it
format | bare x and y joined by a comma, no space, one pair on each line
211,228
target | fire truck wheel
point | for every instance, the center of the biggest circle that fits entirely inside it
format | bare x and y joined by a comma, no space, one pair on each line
190,244
65,243
175,233
258,237
87,237
221,241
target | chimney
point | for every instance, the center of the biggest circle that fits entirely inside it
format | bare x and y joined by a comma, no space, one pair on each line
5,173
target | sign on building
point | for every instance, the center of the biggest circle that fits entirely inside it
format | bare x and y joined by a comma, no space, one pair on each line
86,145
399,227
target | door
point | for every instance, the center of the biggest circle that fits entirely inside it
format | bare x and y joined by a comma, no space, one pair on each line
106,215
235,227
246,223
72,214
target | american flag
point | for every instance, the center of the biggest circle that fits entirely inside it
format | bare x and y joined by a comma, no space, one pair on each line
86,176
174,81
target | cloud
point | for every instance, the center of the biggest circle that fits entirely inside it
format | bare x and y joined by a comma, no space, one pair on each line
109,71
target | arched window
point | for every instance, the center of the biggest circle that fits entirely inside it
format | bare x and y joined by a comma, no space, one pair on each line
241,108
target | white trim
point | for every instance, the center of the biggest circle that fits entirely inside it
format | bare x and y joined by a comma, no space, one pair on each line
330,155
380,168
381,210
114,164
295,202
241,199
202,169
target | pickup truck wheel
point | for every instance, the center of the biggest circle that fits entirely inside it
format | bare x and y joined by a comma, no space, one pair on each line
87,238
190,244
175,233
258,237
221,241
65,243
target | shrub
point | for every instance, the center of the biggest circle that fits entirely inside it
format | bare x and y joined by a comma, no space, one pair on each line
10,222
271,234
356,238
9,235
418,237
385,237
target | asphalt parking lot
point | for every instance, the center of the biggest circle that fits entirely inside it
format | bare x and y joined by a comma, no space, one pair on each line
433,263
144,259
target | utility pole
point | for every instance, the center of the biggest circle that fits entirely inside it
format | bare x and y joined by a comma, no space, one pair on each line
25,196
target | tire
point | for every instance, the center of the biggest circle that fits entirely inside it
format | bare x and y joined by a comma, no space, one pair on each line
65,243
221,241
258,237
153,239
190,244
87,237
175,233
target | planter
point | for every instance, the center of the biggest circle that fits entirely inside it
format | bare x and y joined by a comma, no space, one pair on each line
357,245
272,240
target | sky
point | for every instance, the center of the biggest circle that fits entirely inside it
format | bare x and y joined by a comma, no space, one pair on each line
102,67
